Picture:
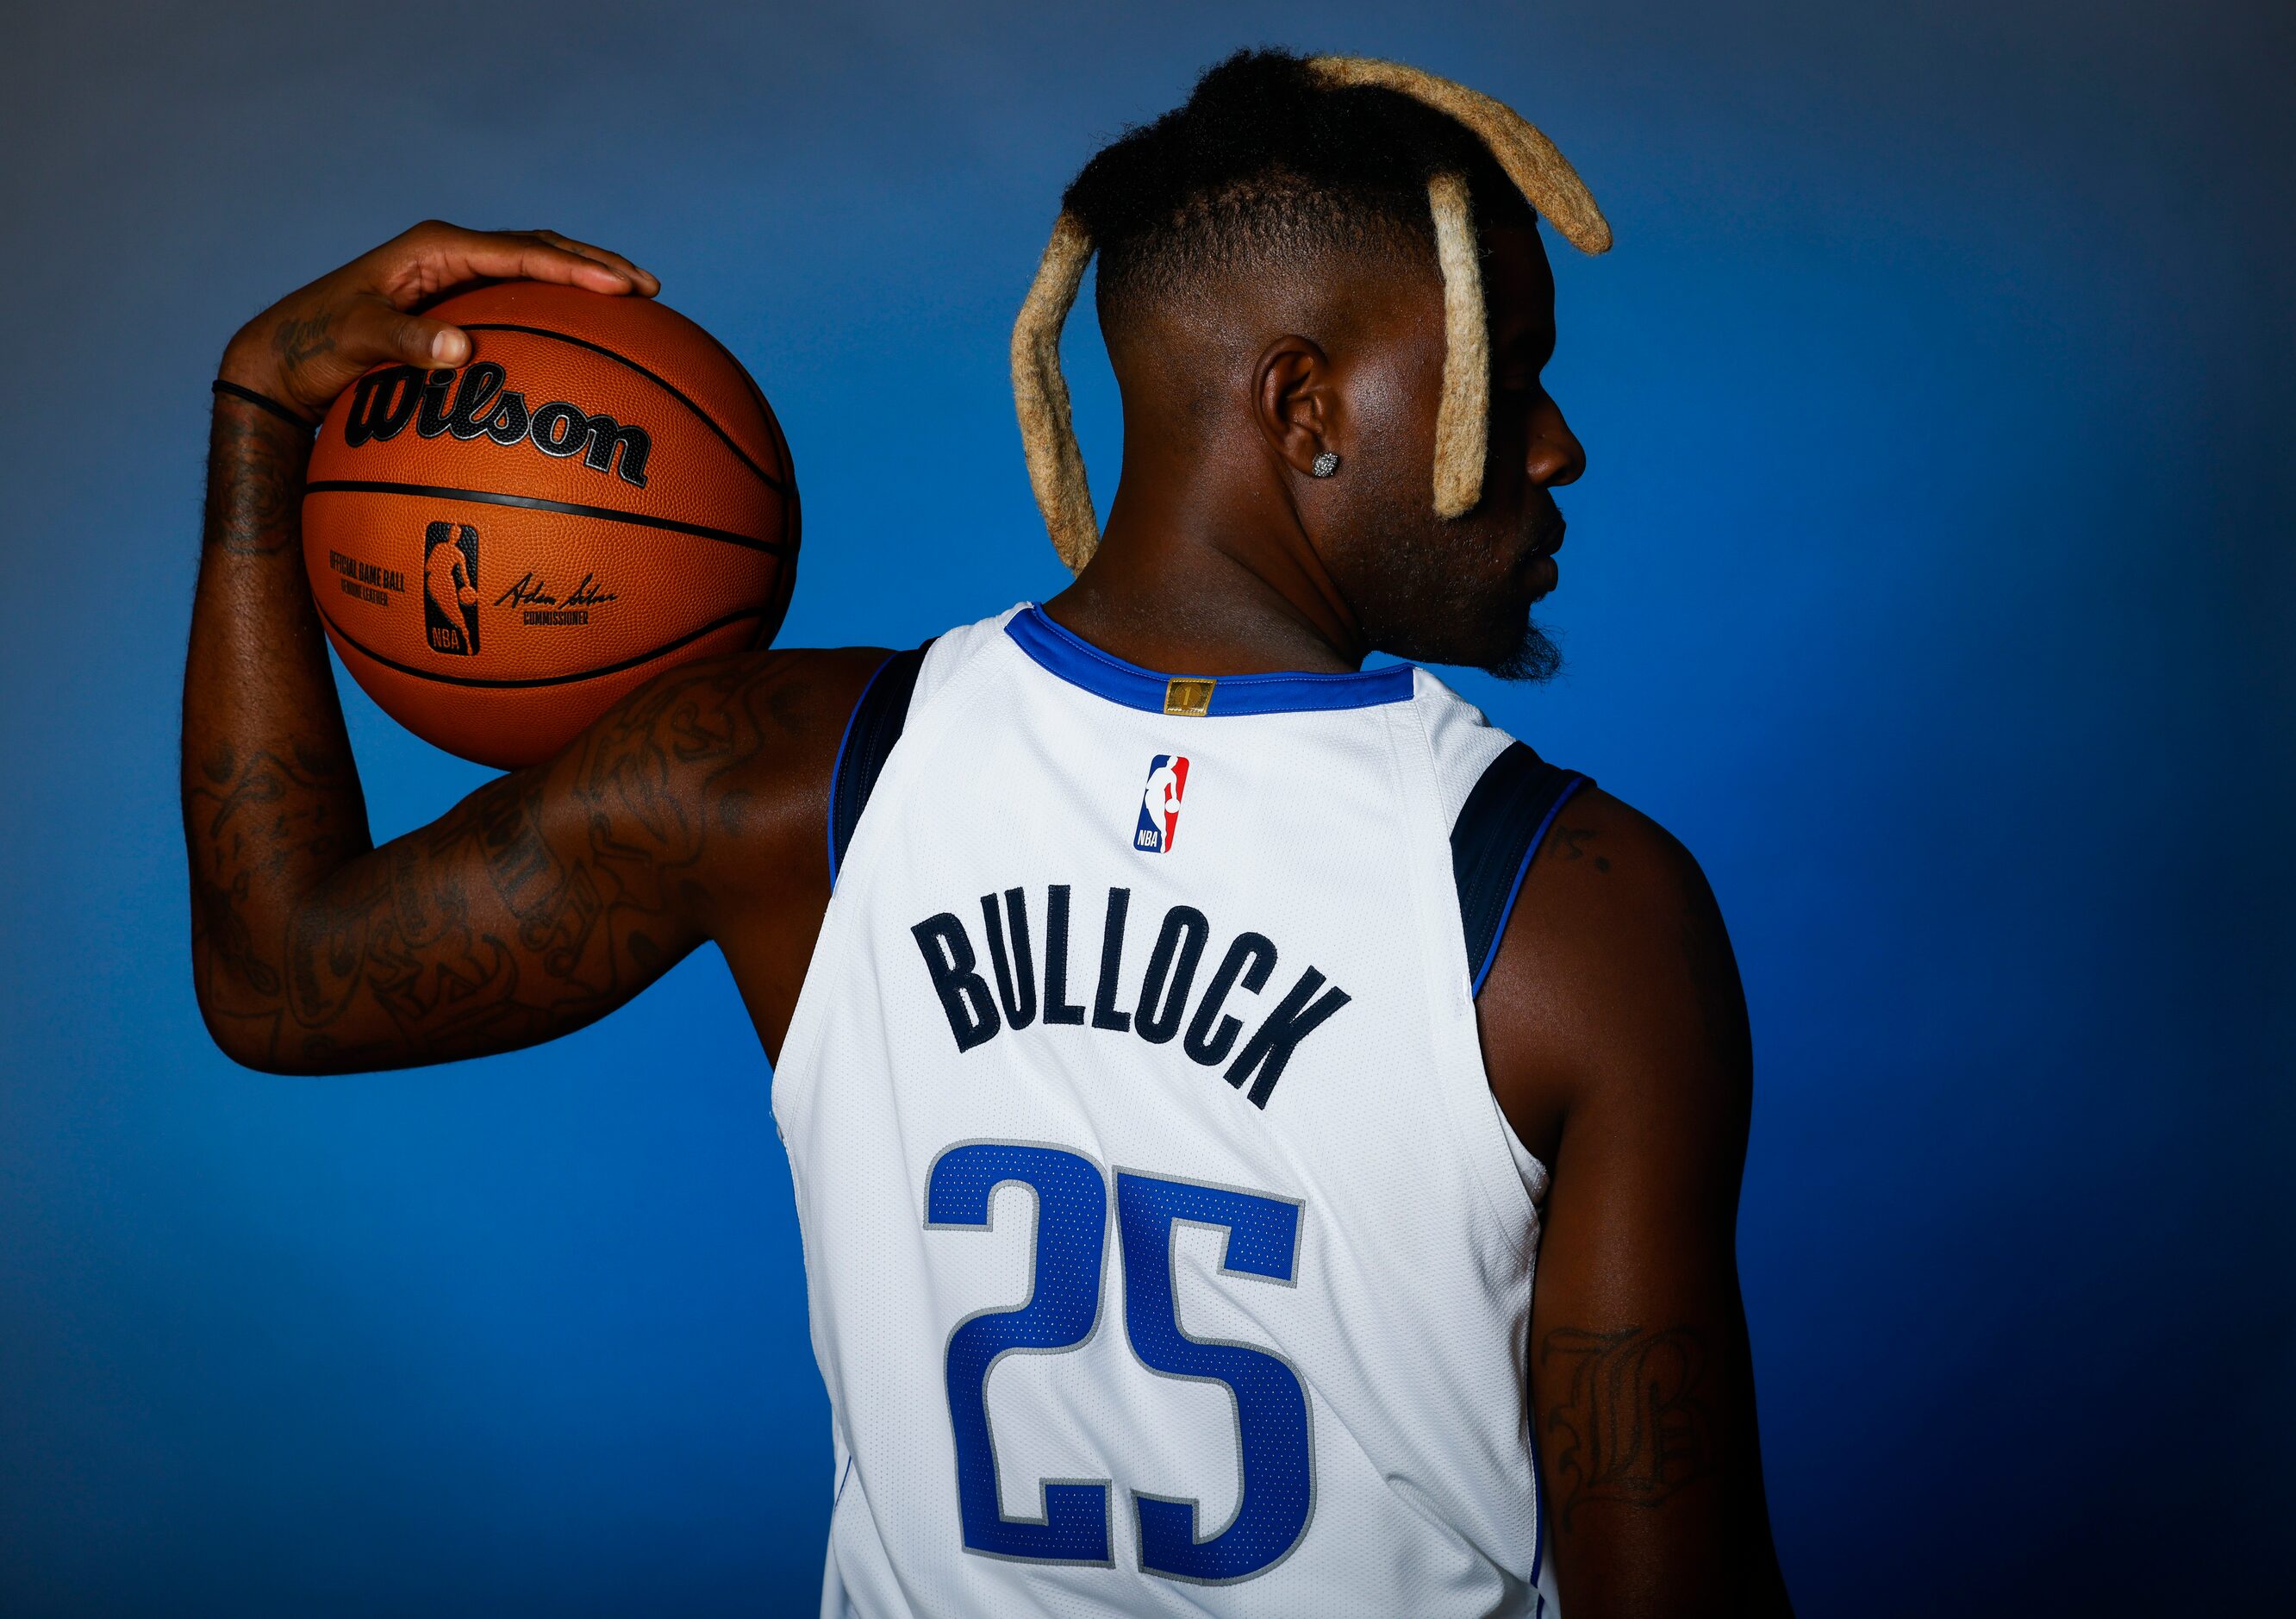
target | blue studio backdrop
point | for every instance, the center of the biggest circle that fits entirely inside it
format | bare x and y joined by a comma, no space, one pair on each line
1932,578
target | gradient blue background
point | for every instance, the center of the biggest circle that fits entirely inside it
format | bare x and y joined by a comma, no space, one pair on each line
1932,578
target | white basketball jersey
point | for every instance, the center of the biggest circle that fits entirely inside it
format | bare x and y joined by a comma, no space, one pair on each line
1167,1251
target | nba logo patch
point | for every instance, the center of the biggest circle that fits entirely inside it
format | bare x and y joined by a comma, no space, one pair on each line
1160,803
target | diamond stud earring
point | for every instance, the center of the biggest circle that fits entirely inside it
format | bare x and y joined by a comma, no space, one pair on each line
1325,464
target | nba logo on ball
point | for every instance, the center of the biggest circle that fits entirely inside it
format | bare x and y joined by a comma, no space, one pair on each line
1160,804
450,587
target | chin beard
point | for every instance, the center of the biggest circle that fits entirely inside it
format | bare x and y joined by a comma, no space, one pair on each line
1534,658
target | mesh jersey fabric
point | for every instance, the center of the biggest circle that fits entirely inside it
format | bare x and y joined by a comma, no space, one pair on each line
1108,1326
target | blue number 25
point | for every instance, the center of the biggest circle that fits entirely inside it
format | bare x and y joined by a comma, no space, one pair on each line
1273,1434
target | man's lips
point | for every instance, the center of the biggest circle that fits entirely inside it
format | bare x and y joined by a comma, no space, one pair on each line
1538,561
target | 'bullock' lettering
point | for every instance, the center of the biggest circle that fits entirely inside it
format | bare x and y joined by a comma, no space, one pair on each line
1211,1037
1171,974
1058,1007
1016,978
1152,1002
963,992
1104,1015
1272,1044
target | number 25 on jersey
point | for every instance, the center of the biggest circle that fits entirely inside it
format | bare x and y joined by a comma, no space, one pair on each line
1273,1432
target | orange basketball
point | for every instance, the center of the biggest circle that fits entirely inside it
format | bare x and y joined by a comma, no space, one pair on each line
501,552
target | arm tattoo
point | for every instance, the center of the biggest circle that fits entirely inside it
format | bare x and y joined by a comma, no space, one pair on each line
256,475
538,904
297,340
1568,840
1627,1418
249,820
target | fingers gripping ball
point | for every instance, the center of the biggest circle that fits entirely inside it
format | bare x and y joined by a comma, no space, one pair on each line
501,552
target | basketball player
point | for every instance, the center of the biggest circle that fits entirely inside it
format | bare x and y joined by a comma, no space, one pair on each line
1187,1041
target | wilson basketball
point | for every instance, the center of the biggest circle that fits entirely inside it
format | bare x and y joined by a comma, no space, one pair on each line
501,552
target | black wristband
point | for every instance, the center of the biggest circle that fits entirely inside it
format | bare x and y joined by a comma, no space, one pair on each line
264,402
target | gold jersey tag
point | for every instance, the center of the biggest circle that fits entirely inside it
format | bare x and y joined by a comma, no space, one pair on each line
1190,698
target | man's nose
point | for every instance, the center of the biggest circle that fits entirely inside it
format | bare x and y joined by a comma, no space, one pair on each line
1556,456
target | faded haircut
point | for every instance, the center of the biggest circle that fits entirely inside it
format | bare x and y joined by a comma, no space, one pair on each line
1277,159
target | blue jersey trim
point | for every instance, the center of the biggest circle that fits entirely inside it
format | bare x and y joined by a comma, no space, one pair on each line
1515,893
837,769
1072,659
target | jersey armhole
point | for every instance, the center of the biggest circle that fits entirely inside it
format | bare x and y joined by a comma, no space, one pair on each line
1494,840
871,730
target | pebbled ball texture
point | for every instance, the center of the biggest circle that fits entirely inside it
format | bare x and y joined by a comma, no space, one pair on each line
501,552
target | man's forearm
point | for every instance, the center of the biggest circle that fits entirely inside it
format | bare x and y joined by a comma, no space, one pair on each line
272,803
530,907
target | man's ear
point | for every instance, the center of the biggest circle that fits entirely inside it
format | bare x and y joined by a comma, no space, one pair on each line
1296,401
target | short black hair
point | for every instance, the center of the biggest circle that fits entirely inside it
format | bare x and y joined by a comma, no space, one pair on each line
1267,163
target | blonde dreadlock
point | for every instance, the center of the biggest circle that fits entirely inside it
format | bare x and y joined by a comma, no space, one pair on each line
1527,158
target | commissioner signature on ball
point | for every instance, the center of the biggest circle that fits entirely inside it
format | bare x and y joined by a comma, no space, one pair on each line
532,592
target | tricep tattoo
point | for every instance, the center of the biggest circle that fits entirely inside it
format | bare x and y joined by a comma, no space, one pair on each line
1626,1418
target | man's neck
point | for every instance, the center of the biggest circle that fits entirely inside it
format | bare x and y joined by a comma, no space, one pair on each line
1178,585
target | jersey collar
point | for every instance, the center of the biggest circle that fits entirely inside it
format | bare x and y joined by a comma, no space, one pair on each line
1062,653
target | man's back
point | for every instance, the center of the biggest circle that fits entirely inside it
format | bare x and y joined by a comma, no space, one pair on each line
1328,311
1195,1122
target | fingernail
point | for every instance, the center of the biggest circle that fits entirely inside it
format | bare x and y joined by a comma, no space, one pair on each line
445,346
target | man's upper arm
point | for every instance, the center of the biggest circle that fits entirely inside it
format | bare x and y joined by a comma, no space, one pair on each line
1615,1032
548,897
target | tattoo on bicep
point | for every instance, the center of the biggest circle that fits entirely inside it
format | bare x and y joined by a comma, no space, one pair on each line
539,902
1625,1414
1568,841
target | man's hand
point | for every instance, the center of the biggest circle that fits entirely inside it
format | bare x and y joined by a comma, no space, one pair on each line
692,810
314,343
